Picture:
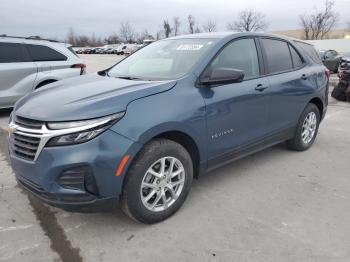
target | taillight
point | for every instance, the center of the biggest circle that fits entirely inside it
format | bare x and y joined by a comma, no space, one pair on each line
81,66
328,73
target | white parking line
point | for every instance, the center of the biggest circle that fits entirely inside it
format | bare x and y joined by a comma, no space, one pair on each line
5,229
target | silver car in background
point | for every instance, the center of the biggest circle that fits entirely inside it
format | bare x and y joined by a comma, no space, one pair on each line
30,63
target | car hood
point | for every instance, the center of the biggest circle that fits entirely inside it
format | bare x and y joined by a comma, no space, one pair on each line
86,97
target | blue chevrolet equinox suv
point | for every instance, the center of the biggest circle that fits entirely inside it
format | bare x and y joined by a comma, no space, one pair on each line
137,133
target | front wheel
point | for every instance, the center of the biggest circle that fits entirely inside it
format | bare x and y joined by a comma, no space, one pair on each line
307,129
158,181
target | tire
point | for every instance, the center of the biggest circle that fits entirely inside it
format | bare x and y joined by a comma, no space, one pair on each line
134,197
299,143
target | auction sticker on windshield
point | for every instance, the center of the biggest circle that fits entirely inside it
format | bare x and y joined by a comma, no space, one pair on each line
189,47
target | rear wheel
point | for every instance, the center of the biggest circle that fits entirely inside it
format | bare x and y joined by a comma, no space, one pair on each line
158,181
307,129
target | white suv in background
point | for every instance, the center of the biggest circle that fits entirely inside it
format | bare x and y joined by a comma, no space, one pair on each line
30,63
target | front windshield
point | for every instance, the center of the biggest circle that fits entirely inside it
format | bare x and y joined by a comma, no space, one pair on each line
163,60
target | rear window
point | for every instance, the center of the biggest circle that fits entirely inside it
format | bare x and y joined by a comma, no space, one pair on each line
11,53
277,55
44,53
310,51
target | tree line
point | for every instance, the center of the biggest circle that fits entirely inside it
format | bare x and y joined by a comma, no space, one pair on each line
316,25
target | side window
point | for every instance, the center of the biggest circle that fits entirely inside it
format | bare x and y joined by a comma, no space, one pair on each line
310,51
11,53
277,55
44,53
297,61
240,54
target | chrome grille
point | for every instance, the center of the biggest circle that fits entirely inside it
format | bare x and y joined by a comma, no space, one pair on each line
28,123
25,146
26,137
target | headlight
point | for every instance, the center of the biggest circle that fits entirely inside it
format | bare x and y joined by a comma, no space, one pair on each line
85,123
76,132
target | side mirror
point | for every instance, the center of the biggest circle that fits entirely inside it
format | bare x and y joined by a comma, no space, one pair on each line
220,76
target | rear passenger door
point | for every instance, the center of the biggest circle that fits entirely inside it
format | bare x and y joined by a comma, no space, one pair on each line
290,82
17,73
46,58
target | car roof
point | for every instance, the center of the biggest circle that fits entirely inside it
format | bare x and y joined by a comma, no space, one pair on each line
229,35
219,35
31,40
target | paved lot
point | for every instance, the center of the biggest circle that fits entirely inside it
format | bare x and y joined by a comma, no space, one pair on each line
277,205
99,62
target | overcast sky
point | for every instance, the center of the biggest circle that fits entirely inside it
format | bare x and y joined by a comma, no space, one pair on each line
53,18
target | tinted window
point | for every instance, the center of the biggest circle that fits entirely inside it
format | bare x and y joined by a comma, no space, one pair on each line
241,55
277,56
10,53
297,61
310,51
44,53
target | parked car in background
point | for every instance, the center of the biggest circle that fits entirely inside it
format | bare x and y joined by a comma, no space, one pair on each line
344,63
121,49
111,51
27,64
140,131
331,59
131,48
87,51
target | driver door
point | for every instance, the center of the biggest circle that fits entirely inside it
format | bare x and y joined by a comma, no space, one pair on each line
236,113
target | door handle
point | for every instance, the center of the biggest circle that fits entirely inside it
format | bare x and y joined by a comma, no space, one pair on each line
304,77
260,87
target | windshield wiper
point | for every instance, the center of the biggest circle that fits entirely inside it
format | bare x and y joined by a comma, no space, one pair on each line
129,78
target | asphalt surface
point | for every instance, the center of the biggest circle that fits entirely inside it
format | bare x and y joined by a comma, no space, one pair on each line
276,205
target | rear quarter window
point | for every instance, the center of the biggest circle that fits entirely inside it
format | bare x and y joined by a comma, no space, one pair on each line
297,60
44,53
310,51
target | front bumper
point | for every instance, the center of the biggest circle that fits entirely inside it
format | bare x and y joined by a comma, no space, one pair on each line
100,157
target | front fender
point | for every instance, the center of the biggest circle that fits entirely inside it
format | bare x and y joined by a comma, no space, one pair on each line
180,109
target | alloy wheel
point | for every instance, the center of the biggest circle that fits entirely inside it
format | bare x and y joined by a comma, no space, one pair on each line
309,128
162,184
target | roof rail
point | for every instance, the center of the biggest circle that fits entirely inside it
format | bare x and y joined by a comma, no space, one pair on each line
35,37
